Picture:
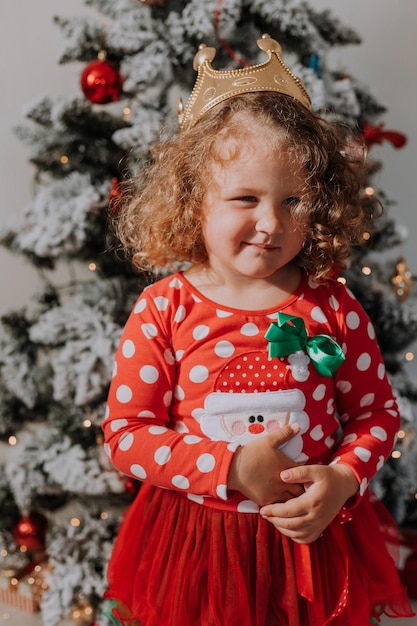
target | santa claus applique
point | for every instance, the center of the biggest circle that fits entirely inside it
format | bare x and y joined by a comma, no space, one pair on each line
248,402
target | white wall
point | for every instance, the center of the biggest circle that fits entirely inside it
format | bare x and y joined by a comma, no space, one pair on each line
29,48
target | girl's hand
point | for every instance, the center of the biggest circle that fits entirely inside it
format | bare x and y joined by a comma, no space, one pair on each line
327,488
256,468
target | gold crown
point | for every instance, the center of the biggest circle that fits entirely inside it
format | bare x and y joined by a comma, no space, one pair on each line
212,86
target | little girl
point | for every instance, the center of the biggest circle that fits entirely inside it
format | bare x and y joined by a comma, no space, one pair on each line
249,394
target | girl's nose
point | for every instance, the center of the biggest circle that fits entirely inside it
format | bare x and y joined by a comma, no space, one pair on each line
268,220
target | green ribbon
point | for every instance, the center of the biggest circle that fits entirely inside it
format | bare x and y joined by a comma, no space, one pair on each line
288,334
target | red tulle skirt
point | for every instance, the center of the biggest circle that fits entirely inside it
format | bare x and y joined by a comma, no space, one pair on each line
179,563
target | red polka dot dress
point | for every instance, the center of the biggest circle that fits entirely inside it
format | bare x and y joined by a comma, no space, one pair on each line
192,382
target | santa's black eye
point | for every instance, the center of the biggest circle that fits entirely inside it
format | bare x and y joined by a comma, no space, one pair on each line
260,418
252,419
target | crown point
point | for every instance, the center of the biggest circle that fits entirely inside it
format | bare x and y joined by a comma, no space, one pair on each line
180,106
267,44
204,54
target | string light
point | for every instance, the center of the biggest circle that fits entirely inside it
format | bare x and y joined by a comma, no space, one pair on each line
366,270
92,267
64,159
75,522
12,440
87,423
370,191
409,356
396,454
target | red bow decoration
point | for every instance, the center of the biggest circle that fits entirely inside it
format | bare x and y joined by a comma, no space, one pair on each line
377,134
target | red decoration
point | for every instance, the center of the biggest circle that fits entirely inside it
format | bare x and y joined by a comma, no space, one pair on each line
377,134
115,195
223,42
101,82
30,531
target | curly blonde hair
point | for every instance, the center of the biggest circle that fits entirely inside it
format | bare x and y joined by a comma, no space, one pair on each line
160,222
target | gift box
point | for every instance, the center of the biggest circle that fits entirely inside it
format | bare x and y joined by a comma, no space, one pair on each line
18,594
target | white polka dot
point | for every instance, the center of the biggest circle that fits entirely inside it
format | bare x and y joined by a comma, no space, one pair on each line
344,386
161,303
107,449
198,374
181,482
381,371
196,298
349,439
167,399
363,362
221,491
380,463
371,331
367,399
181,427
379,433
149,330
362,453
138,471
124,394
179,354
329,441
363,487
318,316
190,439
146,414
233,446
201,332
114,372
249,330
106,411
125,441
330,406
116,425
364,416
196,499
179,393
128,348
221,313
157,430
180,314
206,463
352,320
224,349
175,283
198,413
334,303
140,306
162,455
247,506
149,374
318,393
317,433
169,357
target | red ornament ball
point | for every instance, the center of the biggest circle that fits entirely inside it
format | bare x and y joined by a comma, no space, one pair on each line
101,82
30,531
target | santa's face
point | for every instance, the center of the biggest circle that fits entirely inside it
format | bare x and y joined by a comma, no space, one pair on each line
240,418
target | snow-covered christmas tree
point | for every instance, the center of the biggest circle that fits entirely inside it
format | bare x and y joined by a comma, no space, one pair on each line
60,499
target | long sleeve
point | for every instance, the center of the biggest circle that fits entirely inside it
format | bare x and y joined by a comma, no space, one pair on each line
364,398
141,438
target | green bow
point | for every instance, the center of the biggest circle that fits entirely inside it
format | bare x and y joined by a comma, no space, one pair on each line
288,334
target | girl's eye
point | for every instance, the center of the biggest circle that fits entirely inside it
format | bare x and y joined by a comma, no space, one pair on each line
250,199
291,201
